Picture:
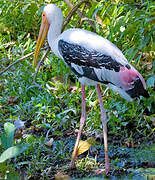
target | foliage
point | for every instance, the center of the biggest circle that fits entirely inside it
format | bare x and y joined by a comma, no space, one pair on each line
10,150
53,110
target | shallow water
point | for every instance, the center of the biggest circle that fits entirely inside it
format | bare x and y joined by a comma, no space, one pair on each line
135,174
132,163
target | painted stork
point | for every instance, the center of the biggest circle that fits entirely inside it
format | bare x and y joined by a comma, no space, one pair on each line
94,60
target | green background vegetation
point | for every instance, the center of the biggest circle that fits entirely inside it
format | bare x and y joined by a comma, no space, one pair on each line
54,108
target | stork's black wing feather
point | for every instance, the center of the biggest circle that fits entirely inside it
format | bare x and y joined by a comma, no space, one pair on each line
87,59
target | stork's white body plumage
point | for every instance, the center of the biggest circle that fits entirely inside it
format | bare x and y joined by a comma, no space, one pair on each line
89,40
119,81
94,59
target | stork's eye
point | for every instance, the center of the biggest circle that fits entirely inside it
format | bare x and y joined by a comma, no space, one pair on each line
43,14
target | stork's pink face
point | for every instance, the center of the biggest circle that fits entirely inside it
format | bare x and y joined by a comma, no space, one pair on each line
42,36
127,76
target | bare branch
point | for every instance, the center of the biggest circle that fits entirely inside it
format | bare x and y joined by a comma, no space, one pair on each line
37,69
79,22
20,59
74,9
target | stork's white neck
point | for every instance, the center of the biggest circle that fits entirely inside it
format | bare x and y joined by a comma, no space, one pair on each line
53,35
54,31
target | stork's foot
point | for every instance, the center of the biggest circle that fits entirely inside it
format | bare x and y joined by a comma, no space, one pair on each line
107,166
107,169
72,165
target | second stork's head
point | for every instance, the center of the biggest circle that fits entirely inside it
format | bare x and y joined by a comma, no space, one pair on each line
52,20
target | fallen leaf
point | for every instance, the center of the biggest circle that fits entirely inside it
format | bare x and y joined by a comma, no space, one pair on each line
130,144
18,133
19,124
153,120
61,176
12,100
83,147
49,143
59,79
72,89
34,129
91,141
99,171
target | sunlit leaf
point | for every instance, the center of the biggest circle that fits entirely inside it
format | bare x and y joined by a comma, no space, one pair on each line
83,147
8,135
49,143
13,152
106,21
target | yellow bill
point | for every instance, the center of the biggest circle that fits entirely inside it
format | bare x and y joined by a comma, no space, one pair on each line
42,36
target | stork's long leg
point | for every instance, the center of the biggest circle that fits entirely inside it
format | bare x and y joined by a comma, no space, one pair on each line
82,122
104,123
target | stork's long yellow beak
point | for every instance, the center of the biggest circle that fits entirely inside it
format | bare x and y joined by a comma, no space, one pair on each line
42,36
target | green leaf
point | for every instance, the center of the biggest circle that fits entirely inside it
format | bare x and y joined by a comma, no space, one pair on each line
106,21
4,168
13,151
8,135
13,175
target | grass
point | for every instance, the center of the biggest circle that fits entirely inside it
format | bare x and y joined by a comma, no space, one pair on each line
53,110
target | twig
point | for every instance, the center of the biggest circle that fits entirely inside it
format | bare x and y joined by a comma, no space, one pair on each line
79,4
74,9
79,21
20,59
69,3
90,21
37,69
